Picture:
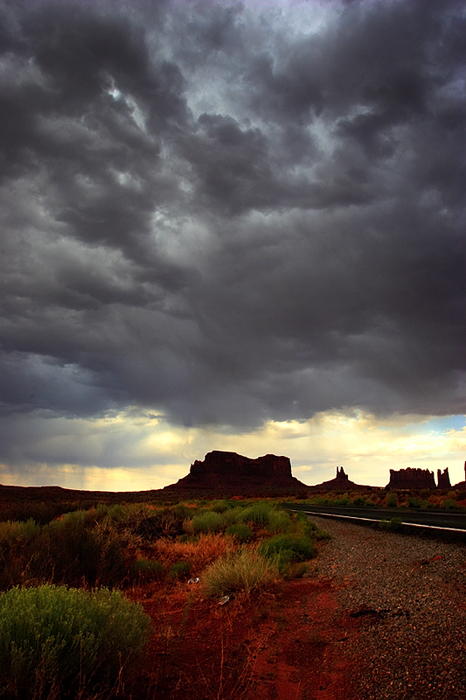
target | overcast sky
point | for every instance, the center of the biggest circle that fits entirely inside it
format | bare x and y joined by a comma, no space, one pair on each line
231,226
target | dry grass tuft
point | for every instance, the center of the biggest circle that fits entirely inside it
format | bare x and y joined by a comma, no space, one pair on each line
199,553
241,571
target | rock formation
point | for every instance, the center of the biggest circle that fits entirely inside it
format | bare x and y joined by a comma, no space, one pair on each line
340,483
411,478
461,486
231,473
443,479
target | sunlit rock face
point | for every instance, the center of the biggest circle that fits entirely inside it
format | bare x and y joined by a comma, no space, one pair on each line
229,472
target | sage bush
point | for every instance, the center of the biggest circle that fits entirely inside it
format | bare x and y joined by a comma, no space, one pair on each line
61,643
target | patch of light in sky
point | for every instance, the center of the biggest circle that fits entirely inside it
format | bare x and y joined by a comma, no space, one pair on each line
443,423
136,112
208,92
298,16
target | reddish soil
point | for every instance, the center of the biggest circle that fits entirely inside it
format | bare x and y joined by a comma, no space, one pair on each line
284,644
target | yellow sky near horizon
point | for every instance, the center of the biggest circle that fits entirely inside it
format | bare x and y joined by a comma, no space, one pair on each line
127,452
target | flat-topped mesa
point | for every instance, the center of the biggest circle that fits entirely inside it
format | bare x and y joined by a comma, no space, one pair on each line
230,472
232,464
411,478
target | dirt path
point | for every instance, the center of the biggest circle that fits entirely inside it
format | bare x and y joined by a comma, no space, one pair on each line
381,617
285,644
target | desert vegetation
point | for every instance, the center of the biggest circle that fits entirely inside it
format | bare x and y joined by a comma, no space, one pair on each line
381,498
85,595
59,642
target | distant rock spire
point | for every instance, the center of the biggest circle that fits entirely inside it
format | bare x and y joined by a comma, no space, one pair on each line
443,479
341,474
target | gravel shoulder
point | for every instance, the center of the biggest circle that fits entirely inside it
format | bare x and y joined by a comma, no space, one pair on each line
409,597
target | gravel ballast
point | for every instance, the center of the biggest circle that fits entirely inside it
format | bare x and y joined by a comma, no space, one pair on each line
409,594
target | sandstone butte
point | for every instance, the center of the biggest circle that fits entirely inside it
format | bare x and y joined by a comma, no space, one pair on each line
231,473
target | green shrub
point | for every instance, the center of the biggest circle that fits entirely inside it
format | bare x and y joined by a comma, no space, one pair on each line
18,552
343,501
393,525
72,552
309,528
233,515
146,569
42,513
165,523
241,532
129,515
322,501
257,514
57,642
287,548
261,515
79,518
220,506
179,570
449,503
279,521
208,522
82,546
18,533
241,571
391,500
117,513
182,511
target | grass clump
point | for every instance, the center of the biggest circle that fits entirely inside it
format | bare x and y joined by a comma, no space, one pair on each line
58,642
240,571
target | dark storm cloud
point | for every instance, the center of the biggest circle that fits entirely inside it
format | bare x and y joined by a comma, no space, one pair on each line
232,214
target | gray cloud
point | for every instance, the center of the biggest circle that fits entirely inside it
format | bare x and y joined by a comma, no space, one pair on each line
229,217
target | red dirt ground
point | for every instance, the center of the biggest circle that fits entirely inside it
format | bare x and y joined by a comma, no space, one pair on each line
285,644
